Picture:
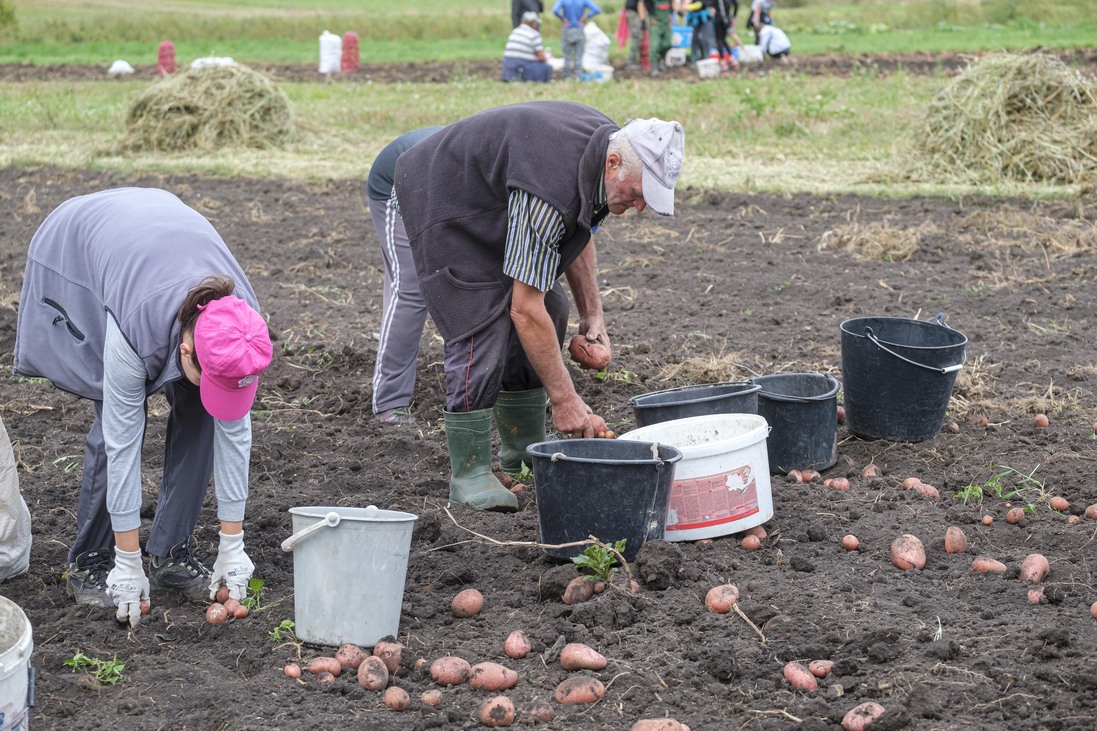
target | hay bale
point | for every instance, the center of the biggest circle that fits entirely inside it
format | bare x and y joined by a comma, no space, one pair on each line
208,108
1011,117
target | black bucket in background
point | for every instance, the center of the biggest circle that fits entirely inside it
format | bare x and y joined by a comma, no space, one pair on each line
606,488
897,376
802,411
688,401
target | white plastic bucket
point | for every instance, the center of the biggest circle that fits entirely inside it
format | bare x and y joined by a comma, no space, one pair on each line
349,566
16,644
722,484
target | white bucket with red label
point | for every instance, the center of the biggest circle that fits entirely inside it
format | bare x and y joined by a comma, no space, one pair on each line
722,483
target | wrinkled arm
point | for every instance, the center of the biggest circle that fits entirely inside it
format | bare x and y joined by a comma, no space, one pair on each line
582,278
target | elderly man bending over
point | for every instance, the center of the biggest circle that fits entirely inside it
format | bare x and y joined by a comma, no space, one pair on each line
499,206
524,56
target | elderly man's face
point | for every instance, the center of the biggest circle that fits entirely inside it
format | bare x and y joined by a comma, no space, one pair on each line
624,188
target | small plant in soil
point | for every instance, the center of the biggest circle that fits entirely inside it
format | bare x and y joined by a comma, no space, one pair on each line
254,600
523,475
599,560
107,672
1005,483
284,633
621,374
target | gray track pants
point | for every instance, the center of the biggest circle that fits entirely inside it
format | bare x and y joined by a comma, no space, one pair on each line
188,465
403,313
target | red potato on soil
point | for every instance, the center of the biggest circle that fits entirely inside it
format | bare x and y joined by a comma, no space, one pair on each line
577,656
390,652
1015,515
350,655
588,354
862,716
870,470
241,611
1073,520
1059,503
985,565
578,590
324,664
809,475
467,603
231,605
659,724
292,670
757,531
926,490
1091,512
432,697
492,676
751,543
1040,421
497,711
850,542
372,673
955,540
222,595
910,482
1034,568
800,677
1035,594
795,476
450,670
986,519
907,552
397,698
820,668
580,689
837,483
720,599
1093,610
535,711
216,614
325,678
517,645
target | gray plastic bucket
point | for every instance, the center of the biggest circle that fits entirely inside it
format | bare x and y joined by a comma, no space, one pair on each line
897,376
802,411
16,674
349,567
702,400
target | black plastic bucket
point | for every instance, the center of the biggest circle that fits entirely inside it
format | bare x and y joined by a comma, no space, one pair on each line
606,488
898,376
802,411
688,401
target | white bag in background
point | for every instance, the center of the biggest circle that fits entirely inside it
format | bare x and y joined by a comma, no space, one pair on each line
596,51
15,536
331,53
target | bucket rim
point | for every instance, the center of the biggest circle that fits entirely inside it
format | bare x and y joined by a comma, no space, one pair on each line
935,323
758,432
832,392
370,513
750,388
674,456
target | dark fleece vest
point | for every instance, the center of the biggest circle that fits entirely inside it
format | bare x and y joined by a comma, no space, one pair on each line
453,189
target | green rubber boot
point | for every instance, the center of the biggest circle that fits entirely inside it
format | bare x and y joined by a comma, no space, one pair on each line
520,418
471,482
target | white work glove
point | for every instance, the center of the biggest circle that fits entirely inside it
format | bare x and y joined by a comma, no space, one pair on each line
232,568
127,585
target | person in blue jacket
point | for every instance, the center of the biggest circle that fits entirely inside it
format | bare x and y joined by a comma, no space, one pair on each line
573,14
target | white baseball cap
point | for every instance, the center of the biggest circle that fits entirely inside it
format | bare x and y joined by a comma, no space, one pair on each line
661,147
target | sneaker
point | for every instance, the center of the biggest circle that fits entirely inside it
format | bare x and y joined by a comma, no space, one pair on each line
181,571
401,415
86,578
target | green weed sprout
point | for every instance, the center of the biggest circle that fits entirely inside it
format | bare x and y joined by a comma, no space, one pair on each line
254,600
107,672
599,560
996,481
284,632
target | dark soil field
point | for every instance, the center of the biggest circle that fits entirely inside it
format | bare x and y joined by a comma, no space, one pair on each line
736,285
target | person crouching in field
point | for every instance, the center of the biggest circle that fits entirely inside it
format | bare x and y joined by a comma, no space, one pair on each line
524,56
126,293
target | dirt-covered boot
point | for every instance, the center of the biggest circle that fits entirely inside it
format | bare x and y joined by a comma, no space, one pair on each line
471,482
520,418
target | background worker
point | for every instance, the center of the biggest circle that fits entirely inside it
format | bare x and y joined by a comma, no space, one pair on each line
573,14
499,206
403,312
518,8
524,55
126,293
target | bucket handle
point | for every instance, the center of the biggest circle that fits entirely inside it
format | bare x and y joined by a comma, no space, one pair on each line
329,521
945,370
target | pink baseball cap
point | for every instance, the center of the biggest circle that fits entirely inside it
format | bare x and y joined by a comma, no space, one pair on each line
233,347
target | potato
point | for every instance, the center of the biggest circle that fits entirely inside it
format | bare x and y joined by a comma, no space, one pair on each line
658,724
751,543
324,678
432,697
907,552
222,594
1093,607
757,531
859,718
1059,503
580,689
910,482
987,519
1091,512
397,699
350,655
492,676
231,605
1035,594
587,354
1015,515
795,476
1034,568
837,483
535,711
146,607
579,590
467,603
216,614
799,677
372,673
926,490
1073,520
325,664
292,670
517,645
870,470
955,540
241,611
720,599
450,670
577,656
390,652
850,542
497,711
1040,421
841,414
809,475
988,565
820,668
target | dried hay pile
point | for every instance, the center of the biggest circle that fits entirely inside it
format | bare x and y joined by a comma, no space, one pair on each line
209,108
1009,117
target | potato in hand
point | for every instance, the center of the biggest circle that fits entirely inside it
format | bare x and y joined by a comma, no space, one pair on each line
589,354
